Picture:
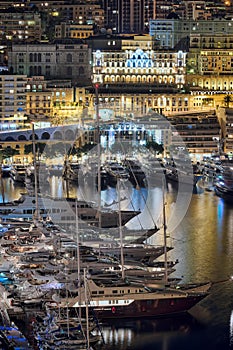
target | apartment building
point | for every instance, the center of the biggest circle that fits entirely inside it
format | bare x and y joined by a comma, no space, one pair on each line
128,16
73,30
225,116
82,13
198,131
169,32
20,26
191,9
210,62
12,101
39,103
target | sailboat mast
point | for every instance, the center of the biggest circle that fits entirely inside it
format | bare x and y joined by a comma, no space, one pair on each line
35,172
77,238
165,235
87,311
120,230
98,154
2,184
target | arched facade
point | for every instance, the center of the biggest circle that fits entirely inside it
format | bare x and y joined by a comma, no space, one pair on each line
139,65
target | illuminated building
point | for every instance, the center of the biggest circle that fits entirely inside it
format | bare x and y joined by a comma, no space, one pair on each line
128,16
39,100
136,62
20,26
12,101
88,13
191,9
73,30
169,32
226,118
198,130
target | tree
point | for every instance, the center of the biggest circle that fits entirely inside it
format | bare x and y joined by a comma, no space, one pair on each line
154,146
39,147
227,100
7,152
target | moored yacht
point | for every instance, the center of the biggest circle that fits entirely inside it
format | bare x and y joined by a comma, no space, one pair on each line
115,171
18,172
63,211
224,184
136,301
6,170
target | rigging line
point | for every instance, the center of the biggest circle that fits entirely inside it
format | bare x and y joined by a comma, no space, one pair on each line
132,204
94,313
139,187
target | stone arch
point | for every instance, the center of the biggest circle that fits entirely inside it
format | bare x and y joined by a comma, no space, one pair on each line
9,138
144,78
127,78
57,135
134,78
36,137
22,138
45,136
69,135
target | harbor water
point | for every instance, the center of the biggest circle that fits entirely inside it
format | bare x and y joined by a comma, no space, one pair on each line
202,241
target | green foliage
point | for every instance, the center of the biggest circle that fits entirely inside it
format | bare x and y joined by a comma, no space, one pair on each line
154,146
227,100
39,147
8,152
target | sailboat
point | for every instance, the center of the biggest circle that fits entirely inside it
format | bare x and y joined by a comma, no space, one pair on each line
138,300
59,328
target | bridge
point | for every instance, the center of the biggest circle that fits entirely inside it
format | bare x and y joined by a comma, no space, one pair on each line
54,133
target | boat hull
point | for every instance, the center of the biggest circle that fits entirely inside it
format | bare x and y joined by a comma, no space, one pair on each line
148,308
224,193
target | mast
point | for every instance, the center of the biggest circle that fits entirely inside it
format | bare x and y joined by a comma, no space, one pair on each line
87,311
2,184
165,234
120,229
98,154
77,239
36,216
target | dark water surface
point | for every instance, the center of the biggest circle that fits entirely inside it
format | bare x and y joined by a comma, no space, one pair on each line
202,237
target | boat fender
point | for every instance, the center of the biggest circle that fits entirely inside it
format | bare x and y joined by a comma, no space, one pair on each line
113,309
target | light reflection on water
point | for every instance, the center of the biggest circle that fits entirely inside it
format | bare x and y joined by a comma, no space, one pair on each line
203,245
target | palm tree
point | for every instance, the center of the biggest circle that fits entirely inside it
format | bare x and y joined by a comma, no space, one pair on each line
227,100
